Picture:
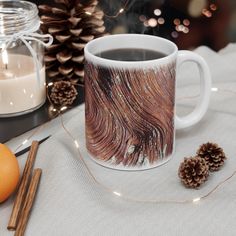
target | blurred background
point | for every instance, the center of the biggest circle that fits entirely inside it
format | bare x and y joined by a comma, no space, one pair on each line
189,23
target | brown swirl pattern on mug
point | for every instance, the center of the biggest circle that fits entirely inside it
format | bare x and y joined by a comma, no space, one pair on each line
130,114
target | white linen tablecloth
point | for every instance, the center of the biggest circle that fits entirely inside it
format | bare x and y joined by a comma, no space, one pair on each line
70,203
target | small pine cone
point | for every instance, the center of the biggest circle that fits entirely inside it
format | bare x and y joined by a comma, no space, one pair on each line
213,154
193,171
63,93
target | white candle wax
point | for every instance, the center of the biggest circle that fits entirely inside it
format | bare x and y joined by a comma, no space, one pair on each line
20,90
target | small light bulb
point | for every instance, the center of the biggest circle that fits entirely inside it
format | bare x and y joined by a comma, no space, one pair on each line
5,57
121,10
76,143
50,84
117,193
88,13
214,89
196,199
63,108
24,142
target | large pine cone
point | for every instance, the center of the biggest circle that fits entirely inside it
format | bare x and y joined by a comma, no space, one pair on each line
193,171
72,23
213,155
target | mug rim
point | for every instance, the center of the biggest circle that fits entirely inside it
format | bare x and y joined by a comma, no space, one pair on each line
91,57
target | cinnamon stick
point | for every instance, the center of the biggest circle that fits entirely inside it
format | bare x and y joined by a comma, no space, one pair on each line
29,200
23,186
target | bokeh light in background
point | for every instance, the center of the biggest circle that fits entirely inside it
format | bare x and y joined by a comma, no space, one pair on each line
189,23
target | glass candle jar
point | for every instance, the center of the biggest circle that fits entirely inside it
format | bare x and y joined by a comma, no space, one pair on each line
22,70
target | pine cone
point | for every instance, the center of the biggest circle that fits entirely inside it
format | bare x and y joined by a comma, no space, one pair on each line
193,171
72,23
63,93
213,155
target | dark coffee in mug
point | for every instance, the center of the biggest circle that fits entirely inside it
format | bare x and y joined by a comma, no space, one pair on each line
131,54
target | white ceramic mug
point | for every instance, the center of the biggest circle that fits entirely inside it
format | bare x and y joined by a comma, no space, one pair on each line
130,105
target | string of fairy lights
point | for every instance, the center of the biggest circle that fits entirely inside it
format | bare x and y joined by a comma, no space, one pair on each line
119,12
75,143
179,26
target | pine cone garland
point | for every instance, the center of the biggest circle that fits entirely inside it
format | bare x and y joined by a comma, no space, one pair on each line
213,155
193,171
72,23
63,93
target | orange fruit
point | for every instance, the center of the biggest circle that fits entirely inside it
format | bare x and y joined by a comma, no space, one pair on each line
9,172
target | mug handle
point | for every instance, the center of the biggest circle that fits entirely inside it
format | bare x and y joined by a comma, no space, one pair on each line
205,89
